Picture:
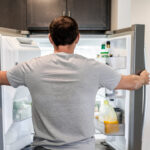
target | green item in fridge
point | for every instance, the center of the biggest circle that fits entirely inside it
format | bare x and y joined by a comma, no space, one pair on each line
21,109
104,52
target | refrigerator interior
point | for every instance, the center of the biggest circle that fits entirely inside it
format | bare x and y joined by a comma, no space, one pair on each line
17,103
89,46
121,62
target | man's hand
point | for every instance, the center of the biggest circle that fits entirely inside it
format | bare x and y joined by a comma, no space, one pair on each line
145,76
3,78
134,82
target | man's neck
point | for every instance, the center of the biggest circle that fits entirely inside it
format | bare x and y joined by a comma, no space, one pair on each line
64,48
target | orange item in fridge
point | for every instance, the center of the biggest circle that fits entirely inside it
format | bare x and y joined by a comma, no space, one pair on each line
111,127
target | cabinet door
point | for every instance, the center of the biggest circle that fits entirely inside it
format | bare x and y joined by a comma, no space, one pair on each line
13,14
41,12
90,14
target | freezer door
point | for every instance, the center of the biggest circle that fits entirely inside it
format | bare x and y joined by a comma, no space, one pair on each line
10,32
137,97
15,103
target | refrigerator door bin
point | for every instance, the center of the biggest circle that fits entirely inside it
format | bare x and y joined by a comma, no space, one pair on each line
117,62
21,110
101,127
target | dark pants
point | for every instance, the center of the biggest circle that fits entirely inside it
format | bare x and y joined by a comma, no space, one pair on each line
40,148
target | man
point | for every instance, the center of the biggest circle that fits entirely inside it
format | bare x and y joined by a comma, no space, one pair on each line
63,87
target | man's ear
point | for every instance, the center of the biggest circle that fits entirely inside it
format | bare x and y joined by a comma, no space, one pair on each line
50,39
77,39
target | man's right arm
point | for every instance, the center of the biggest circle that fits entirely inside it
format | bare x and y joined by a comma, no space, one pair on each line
3,78
133,82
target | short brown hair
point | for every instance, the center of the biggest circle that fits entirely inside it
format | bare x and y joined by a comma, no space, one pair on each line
63,30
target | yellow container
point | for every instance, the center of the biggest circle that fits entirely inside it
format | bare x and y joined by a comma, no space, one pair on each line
108,117
111,127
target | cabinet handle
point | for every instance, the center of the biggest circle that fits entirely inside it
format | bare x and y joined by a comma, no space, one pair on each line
69,13
64,13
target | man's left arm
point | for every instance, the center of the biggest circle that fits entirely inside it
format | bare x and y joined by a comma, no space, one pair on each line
3,78
14,77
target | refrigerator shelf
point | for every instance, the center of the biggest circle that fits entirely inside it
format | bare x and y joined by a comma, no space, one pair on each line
101,128
20,120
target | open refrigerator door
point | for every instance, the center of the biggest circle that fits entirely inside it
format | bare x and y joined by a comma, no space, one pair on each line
126,57
16,102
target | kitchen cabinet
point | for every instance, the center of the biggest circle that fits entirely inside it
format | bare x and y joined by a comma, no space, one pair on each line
90,15
41,12
13,14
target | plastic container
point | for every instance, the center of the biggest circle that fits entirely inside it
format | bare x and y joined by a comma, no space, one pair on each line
108,117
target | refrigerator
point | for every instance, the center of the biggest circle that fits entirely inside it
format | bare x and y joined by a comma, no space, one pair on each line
127,48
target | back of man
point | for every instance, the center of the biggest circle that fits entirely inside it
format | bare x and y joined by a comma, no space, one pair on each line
63,88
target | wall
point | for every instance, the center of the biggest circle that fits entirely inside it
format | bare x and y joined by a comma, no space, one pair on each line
114,14
140,15
124,13
120,14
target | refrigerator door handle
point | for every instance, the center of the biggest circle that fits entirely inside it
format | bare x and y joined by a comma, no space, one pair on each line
140,71
144,105
144,101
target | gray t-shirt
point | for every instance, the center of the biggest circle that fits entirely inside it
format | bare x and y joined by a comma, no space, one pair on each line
63,89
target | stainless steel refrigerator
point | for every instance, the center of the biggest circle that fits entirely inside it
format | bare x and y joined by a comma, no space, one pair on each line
127,47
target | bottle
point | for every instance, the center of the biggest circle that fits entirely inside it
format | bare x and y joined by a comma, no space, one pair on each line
119,114
104,52
108,116
108,44
109,48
